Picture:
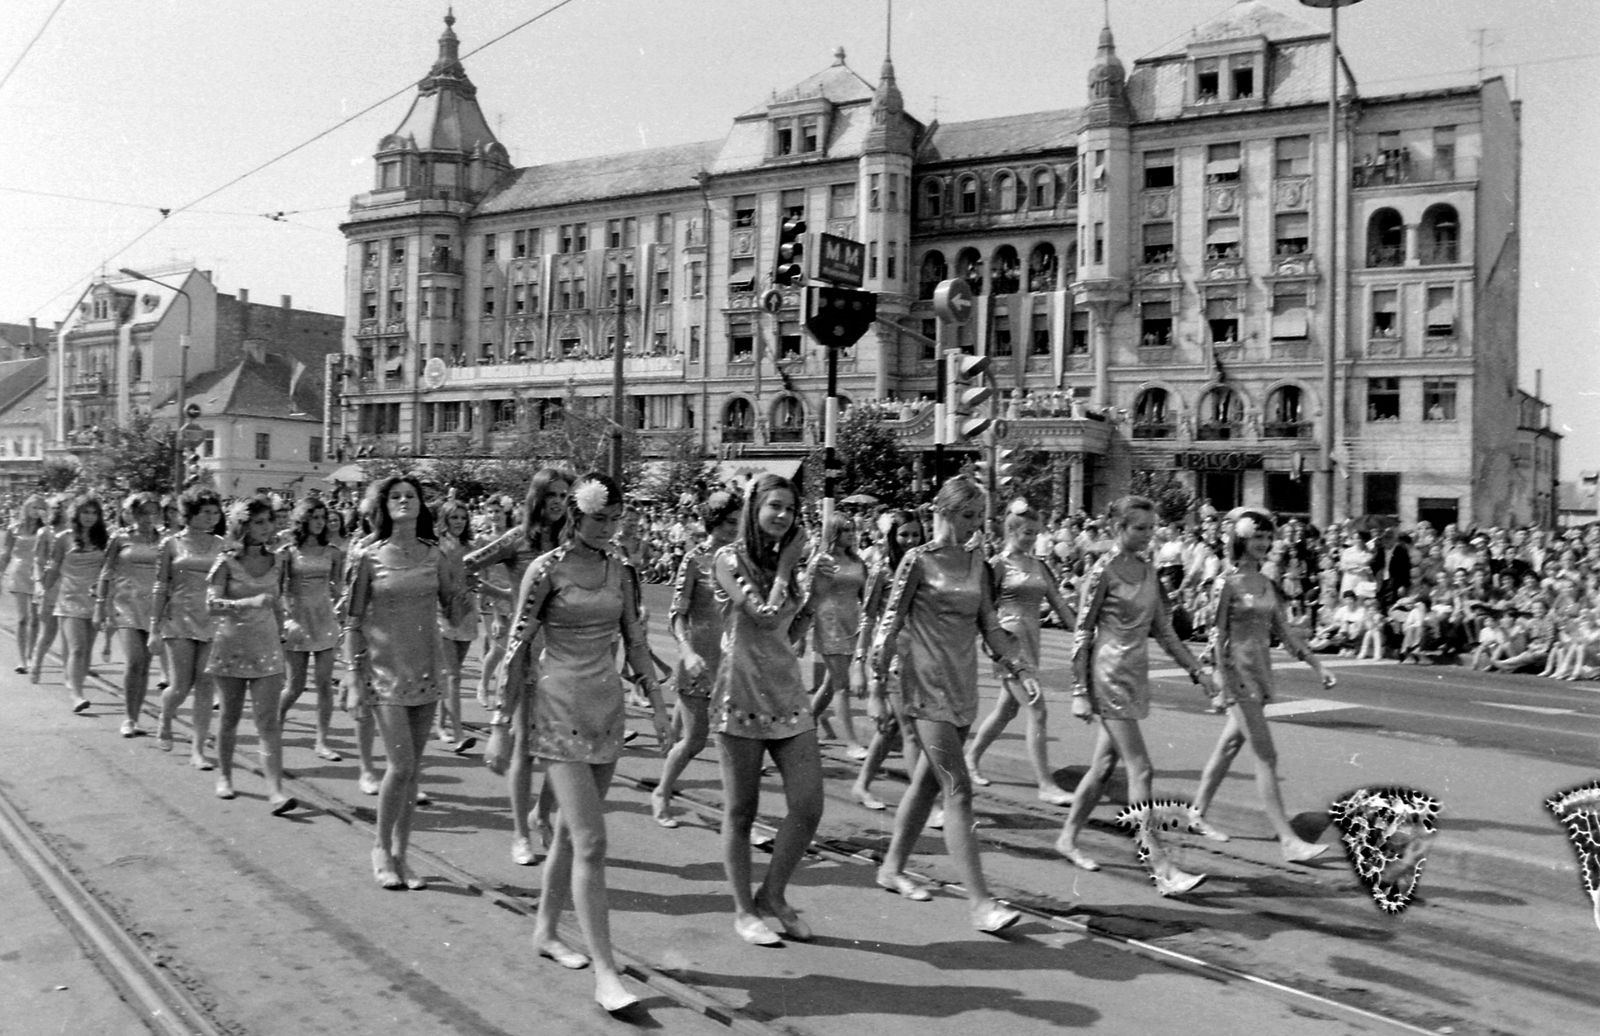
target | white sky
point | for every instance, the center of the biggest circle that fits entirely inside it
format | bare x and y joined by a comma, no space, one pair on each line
155,103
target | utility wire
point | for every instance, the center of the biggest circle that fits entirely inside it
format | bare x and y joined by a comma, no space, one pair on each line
298,147
47,20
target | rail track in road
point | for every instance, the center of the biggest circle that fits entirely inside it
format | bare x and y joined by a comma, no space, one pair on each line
1130,935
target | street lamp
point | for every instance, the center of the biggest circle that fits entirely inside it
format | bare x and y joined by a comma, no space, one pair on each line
1335,184
183,371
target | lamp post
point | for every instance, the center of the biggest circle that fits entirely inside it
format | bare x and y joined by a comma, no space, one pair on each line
1335,185
183,372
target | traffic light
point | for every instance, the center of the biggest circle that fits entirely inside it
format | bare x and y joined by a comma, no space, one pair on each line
968,385
838,317
192,472
790,268
1005,468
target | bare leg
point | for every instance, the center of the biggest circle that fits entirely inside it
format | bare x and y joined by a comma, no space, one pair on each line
1005,710
230,691
1102,760
48,625
836,688
27,627
323,674
741,790
80,642
264,694
405,734
695,723
800,765
203,690
136,673
519,780
298,663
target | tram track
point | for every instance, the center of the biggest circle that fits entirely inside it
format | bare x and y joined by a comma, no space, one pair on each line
848,851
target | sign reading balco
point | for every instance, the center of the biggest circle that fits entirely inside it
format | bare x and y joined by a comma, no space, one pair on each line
1234,460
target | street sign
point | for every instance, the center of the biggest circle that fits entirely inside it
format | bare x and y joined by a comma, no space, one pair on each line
192,411
1002,428
433,372
191,434
840,260
952,301
772,300
838,317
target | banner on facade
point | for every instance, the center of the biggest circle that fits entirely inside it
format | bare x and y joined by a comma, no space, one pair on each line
1233,460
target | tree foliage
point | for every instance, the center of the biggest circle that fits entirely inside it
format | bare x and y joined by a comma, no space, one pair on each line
683,469
57,476
134,457
872,460
1173,499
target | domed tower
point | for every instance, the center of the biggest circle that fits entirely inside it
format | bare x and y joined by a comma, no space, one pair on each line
1104,144
885,189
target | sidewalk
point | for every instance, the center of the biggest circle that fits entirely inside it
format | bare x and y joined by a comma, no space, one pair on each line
1493,828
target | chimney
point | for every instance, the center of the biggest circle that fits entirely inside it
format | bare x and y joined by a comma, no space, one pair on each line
286,302
244,296
33,335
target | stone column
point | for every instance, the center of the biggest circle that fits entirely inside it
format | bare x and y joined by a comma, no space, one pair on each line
1074,483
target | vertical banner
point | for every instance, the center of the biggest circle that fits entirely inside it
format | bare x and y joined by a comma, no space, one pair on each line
1020,306
980,326
547,299
1060,334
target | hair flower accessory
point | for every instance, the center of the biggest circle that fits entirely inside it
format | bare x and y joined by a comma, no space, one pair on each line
1018,506
1244,528
238,512
591,495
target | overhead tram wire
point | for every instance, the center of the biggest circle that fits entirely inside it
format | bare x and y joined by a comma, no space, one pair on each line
285,154
17,63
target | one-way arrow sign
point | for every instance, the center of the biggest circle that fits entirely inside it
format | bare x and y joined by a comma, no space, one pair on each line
952,301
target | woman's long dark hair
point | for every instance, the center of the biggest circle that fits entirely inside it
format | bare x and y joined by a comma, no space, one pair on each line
97,535
893,553
752,541
540,533
240,523
380,508
301,519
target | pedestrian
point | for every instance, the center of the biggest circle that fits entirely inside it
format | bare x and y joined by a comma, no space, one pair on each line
186,625
49,624
942,601
246,656
580,598
760,705
1022,587
539,532
402,582
132,560
1251,614
72,570
494,603
313,573
454,524
837,627
696,620
903,532
1121,607
18,543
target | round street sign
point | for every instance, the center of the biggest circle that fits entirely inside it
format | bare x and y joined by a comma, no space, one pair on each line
772,300
433,372
1002,428
191,434
192,411
952,301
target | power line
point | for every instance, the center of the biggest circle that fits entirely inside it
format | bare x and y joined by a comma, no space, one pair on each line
1483,68
47,20
285,154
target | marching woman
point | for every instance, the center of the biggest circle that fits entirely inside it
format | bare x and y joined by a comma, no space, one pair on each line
18,543
402,582
696,619
760,704
49,625
313,572
73,573
494,605
454,523
185,622
246,655
902,531
125,584
1021,585
837,627
581,600
940,604
544,518
1250,612
1121,608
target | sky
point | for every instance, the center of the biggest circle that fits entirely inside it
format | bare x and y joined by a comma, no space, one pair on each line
118,110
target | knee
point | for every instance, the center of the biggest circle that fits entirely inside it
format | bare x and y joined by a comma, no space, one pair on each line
589,846
739,813
1267,757
1232,743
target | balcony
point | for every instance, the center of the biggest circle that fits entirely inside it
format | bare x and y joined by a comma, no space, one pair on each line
1386,255
442,262
653,367
87,386
735,434
1286,430
1219,431
1154,429
776,434
1396,166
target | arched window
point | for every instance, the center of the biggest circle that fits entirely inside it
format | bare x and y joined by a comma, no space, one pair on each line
1151,417
1221,414
969,195
1042,268
969,267
1440,238
788,420
1286,414
136,365
1043,193
1005,189
1386,239
1007,271
932,199
934,269
738,421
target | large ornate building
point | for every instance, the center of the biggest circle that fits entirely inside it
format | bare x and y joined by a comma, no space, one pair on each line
1151,268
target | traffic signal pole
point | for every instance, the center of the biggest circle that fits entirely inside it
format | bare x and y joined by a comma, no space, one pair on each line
617,402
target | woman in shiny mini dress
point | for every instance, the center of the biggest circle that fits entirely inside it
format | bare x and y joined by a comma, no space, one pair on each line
246,656
313,573
18,543
73,573
126,585
583,603
185,622
837,627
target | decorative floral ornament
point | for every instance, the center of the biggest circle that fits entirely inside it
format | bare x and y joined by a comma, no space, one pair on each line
1244,528
1018,506
591,495
238,512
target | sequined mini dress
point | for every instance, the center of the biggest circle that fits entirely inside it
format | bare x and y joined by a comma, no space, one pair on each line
758,691
696,602
395,603
838,608
246,642
80,572
310,623
131,569
577,708
467,628
18,577
1021,584
1116,620
189,565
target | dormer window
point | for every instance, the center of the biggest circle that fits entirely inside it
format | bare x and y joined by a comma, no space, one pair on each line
810,135
796,135
1207,80
1244,78
783,143
388,174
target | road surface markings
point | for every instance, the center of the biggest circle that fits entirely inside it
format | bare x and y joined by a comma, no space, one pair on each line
1304,706
1540,709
